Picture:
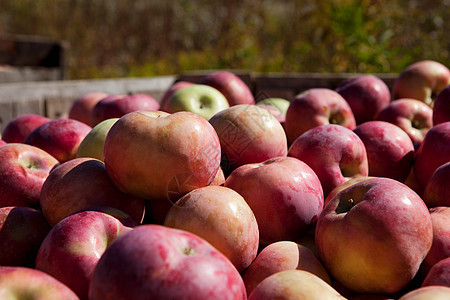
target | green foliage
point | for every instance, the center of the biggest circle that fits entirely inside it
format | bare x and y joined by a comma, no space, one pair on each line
115,38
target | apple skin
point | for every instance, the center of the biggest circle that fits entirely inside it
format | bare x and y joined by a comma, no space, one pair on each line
93,144
22,230
223,218
282,256
373,235
2,142
20,127
422,80
440,248
411,115
28,283
81,107
439,274
73,247
390,151
437,190
169,92
284,193
248,134
82,183
115,106
231,86
158,262
315,107
428,293
366,94
441,107
219,179
23,170
342,154
276,106
433,152
61,138
294,284
201,99
182,153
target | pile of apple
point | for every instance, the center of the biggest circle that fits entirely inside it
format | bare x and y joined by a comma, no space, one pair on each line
205,194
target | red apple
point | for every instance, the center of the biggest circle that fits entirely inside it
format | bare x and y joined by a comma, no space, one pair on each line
28,283
169,92
23,170
223,218
441,107
73,247
159,156
334,152
422,80
20,127
315,107
61,137
81,108
158,262
231,86
437,190
22,230
439,274
413,116
248,134
366,94
219,179
282,256
294,284
390,151
82,183
284,193
373,235
440,248
115,106
428,293
2,142
433,152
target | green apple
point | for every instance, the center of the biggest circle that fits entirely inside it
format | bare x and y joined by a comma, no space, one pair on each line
93,144
279,103
201,99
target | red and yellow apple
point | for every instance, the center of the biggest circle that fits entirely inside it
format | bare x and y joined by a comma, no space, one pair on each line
82,106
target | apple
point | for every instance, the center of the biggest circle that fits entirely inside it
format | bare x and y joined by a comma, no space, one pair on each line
294,284
73,247
235,90
366,94
223,218
315,107
201,99
81,107
440,248
159,156
23,170
169,92
276,106
2,142
439,274
22,230
115,106
284,193
441,107
93,144
158,262
334,152
61,138
411,115
28,283
373,235
219,179
437,190
390,151
282,256
433,152
248,134
428,293
82,183
422,80
20,127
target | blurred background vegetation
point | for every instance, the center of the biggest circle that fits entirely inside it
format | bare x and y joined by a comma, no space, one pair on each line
120,38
